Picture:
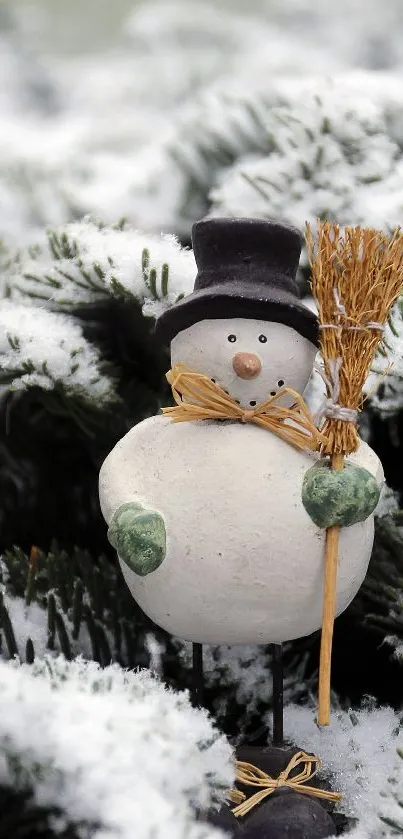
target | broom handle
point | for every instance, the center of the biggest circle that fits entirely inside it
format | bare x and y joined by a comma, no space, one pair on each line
329,608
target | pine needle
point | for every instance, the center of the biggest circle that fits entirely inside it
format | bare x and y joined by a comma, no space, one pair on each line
356,278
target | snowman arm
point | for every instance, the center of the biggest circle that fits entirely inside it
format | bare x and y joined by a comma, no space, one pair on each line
347,497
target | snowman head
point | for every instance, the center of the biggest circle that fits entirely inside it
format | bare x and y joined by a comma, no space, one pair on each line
244,324
250,359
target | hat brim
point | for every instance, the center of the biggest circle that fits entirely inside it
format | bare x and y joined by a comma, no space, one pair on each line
232,300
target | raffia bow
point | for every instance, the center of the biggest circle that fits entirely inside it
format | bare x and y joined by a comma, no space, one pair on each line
250,775
197,397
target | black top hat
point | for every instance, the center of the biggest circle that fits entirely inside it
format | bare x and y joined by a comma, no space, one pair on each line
246,269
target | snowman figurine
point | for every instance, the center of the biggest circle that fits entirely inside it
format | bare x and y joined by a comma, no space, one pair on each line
207,516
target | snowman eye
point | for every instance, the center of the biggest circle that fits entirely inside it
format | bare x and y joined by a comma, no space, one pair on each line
232,338
262,339
280,382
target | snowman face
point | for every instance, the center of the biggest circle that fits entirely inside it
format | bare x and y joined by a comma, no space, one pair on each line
250,359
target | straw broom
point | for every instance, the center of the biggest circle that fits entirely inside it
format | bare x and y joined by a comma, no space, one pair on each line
356,278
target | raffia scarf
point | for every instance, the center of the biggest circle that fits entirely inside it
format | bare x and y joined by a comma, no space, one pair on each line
197,397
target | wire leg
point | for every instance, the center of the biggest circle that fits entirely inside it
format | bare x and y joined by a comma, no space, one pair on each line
278,695
198,679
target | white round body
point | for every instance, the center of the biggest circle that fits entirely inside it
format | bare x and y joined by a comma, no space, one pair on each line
244,561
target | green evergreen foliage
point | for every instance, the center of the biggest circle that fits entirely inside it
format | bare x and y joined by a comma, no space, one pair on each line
23,818
86,606
202,112
74,604
55,440
87,262
394,821
379,604
204,147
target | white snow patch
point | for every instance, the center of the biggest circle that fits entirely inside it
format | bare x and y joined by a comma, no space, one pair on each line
115,748
359,751
388,501
31,621
156,651
43,349
328,154
244,669
384,386
106,255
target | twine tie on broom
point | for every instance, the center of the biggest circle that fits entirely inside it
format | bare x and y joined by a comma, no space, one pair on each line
330,408
197,397
250,775
340,312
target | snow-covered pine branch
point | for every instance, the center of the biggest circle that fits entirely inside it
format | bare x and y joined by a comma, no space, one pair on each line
241,678
40,349
89,157
385,384
221,125
361,750
110,750
55,602
86,262
183,45
296,147
379,602
328,154
117,113
73,604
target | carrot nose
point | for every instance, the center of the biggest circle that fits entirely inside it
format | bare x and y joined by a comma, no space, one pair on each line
246,365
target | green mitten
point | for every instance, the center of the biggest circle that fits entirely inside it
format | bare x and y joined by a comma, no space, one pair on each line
139,537
339,498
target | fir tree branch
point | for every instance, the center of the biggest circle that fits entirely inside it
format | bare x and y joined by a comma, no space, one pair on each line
44,350
86,264
379,601
85,605
84,748
312,165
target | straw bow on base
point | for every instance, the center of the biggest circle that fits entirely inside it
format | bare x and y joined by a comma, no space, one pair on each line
252,776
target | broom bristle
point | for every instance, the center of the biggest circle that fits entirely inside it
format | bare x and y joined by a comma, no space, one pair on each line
356,278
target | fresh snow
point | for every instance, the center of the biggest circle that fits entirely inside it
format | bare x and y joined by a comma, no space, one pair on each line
359,751
146,127
117,750
244,671
327,154
161,113
385,384
30,621
46,350
103,261
149,758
